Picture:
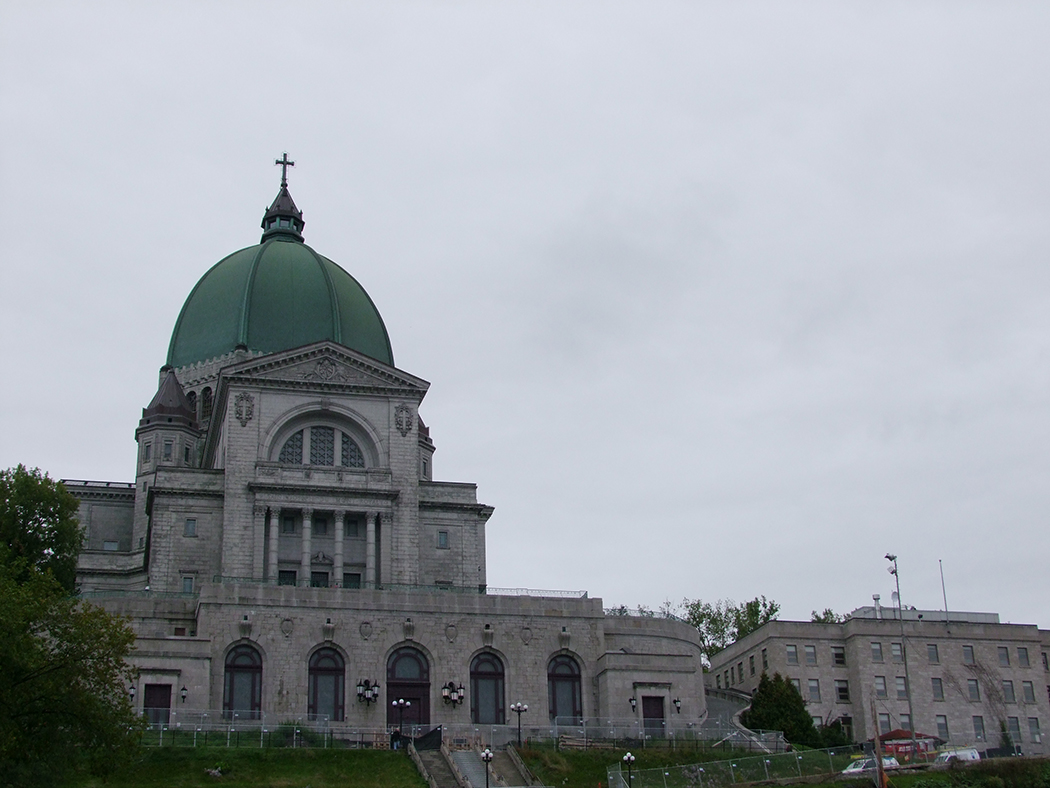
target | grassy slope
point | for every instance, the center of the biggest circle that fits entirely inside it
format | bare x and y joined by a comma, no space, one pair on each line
276,768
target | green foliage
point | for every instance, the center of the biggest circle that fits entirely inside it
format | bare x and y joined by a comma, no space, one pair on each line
828,616
38,526
777,706
725,621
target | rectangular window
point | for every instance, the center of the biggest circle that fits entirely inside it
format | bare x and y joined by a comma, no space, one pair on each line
978,728
1022,657
880,687
838,655
1046,661
190,529
286,577
1013,727
319,526
180,632
933,653
942,727
350,529
792,655
1004,656
906,722
902,688
797,684
968,655
187,585
814,690
876,652
442,540
319,580
740,671
424,469
811,655
111,547
732,675
1033,730
1008,692
818,722
288,525
168,448
147,452
842,690
751,664
1028,691
718,681
765,659
938,689
896,652
847,726
973,689
726,677
351,579
884,723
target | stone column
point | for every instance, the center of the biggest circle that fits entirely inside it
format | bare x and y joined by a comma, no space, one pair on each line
304,564
370,550
259,543
337,568
273,520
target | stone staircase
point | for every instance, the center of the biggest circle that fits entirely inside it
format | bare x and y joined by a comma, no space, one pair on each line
506,771
439,769
471,766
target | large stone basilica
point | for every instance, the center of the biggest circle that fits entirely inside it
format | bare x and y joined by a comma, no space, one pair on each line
285,551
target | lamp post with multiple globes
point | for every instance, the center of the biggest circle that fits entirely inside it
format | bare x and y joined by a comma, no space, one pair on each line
519,709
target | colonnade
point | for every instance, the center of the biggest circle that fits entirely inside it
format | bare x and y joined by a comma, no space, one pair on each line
269,521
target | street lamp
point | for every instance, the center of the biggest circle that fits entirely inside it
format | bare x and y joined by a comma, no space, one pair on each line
450,693
486,756
401,704
677,705
519,709
904,651
629,760
367,692
634,703
131,692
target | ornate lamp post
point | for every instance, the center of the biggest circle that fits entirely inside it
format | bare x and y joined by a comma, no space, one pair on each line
367,692
519,709
629,760
183,693
486,756
450,693
401,704
904,652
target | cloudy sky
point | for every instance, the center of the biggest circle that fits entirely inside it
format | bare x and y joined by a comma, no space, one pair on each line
716,299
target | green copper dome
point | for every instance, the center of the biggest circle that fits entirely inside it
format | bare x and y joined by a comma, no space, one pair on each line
277,295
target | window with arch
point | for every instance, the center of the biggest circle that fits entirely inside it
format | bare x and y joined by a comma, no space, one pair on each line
192,397
564,690
487,705
327,446
206,404
408,679
327,683
242,689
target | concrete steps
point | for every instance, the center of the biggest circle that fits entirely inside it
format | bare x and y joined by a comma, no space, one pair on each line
435,763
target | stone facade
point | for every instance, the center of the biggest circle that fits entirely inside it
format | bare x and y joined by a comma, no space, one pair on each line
966,675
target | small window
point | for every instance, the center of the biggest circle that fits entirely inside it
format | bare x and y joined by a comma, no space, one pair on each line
842,690
319,526
938,689
147,452
187,585
978,728
942,727
168,449
111,547
286,577
973,689
906,722
818,722
718,681
968,655
190,529
792,655
732,675
351,529
1022,657
838,655
765,659
186,455
884,723
726,676
443,540
319,580
1033,730
1008,692
797,684
902,688
288,525
1004,656
180,632
811,655
351,579
876,652
1046,661
740,671
880,687
933,653
425,469
896,652
1028,691
814,690
751,664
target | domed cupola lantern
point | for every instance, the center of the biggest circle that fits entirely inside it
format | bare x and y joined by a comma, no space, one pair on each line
282,218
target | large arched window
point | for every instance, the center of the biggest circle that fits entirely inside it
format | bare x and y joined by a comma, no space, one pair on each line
327,446
486,690
327,686
242,692
563,690
408,679
206,404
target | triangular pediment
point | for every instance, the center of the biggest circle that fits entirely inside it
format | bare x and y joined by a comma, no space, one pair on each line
325,365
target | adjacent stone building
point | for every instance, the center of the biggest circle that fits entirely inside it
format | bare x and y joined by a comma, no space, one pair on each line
968,673
286,546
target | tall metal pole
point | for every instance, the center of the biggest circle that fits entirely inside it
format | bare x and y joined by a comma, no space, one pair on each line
904,655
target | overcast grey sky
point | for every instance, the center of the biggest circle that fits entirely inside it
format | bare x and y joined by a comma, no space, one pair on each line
716,299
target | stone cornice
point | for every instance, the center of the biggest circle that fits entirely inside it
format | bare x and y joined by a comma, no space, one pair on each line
356,493
477,508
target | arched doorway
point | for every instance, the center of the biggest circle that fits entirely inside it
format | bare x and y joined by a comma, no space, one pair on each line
408,679
327,682
242,689
563,690
487,702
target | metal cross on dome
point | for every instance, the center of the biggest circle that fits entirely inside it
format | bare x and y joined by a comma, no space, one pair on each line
284,164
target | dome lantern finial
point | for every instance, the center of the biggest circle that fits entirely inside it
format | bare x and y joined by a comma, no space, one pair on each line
282,218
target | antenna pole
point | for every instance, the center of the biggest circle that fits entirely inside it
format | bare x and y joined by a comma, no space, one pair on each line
943,592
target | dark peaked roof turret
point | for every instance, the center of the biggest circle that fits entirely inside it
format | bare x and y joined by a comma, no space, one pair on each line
169,405
282,218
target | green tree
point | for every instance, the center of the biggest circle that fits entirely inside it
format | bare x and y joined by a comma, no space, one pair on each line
829,616
63,674
777,706
749,616
725,621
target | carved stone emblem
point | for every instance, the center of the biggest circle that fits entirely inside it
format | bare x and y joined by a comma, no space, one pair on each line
326,371
451,632
408,628
287,627
365,629
487,635
321,557
328,629
245,626
244,408
403,419
526,635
